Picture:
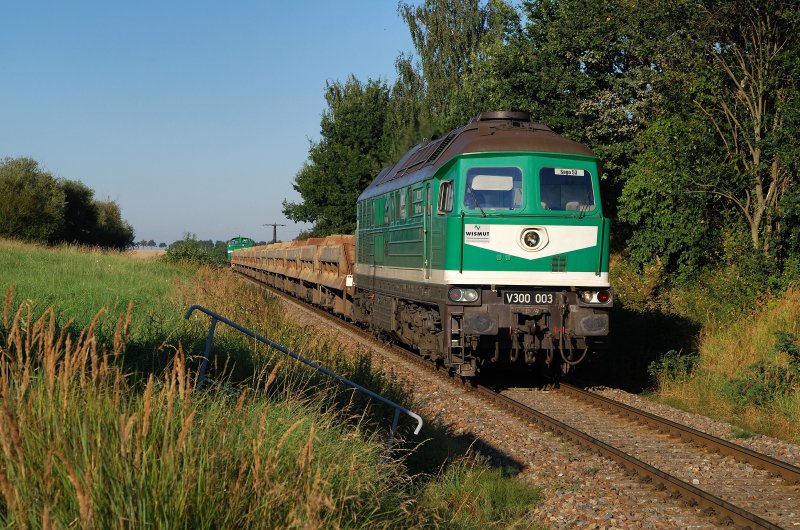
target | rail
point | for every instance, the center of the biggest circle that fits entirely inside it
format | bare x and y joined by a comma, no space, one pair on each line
201,374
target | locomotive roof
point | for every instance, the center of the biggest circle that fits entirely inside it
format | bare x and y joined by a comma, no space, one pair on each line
486,132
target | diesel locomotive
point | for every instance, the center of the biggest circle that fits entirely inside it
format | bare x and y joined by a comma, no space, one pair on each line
487,245
237,243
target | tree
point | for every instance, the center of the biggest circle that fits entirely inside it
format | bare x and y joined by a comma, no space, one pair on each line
753,50
447,35
718,161
33,203
345,160
112,230
680,230
592,71
80,212
406,117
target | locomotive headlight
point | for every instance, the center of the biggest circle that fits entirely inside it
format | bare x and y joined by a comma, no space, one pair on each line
533,239
458,294
587,296
469,295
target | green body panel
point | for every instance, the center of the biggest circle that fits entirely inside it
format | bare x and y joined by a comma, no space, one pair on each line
582,260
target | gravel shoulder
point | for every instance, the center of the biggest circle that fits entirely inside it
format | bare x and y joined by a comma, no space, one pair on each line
779,449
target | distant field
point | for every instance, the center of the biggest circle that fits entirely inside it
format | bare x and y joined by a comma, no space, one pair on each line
146,253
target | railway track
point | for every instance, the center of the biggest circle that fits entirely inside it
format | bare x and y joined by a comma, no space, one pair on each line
731,484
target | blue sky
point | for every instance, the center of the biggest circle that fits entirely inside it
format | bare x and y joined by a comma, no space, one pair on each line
193,116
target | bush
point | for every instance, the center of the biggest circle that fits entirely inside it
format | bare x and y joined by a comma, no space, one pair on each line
764,382
190,250
467,496
673,366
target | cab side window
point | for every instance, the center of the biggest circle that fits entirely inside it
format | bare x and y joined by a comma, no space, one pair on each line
445,197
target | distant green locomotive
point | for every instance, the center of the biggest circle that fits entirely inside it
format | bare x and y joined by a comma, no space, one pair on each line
487,245
237,243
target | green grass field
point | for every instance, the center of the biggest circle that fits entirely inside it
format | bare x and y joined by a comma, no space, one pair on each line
79,282
102,428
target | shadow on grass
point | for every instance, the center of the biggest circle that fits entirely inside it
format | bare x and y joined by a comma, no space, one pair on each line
637,340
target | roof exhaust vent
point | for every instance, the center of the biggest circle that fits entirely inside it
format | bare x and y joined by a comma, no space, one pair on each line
502,115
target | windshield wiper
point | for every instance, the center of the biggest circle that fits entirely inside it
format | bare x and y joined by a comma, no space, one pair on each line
474,198
584,206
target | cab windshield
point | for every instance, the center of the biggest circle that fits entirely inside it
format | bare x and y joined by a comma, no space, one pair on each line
493,188
566,189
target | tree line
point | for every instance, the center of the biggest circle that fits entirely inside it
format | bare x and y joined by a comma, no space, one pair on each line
691,105
36,206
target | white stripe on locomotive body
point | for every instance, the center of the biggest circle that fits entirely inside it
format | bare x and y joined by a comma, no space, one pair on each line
518,278
505,239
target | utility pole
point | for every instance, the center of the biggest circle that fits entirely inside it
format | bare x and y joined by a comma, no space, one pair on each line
274,230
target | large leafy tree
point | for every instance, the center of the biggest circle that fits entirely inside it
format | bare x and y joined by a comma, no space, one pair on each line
681,230
590,70
446,35
35,206
32,204
345,160
426,98
719,159
752,48
406,114
112,230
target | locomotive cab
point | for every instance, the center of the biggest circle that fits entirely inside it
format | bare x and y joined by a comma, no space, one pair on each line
527,272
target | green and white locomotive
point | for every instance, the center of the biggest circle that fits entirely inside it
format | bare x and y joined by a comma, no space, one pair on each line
487,245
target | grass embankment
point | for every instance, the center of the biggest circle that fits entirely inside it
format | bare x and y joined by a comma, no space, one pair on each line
717,351
746,371
101,426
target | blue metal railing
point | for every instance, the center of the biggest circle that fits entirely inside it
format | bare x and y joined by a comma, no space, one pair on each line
201,374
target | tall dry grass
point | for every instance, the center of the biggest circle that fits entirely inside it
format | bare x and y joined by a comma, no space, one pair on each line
80,446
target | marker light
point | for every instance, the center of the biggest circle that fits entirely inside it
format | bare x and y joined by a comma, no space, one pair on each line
457,294
595,297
